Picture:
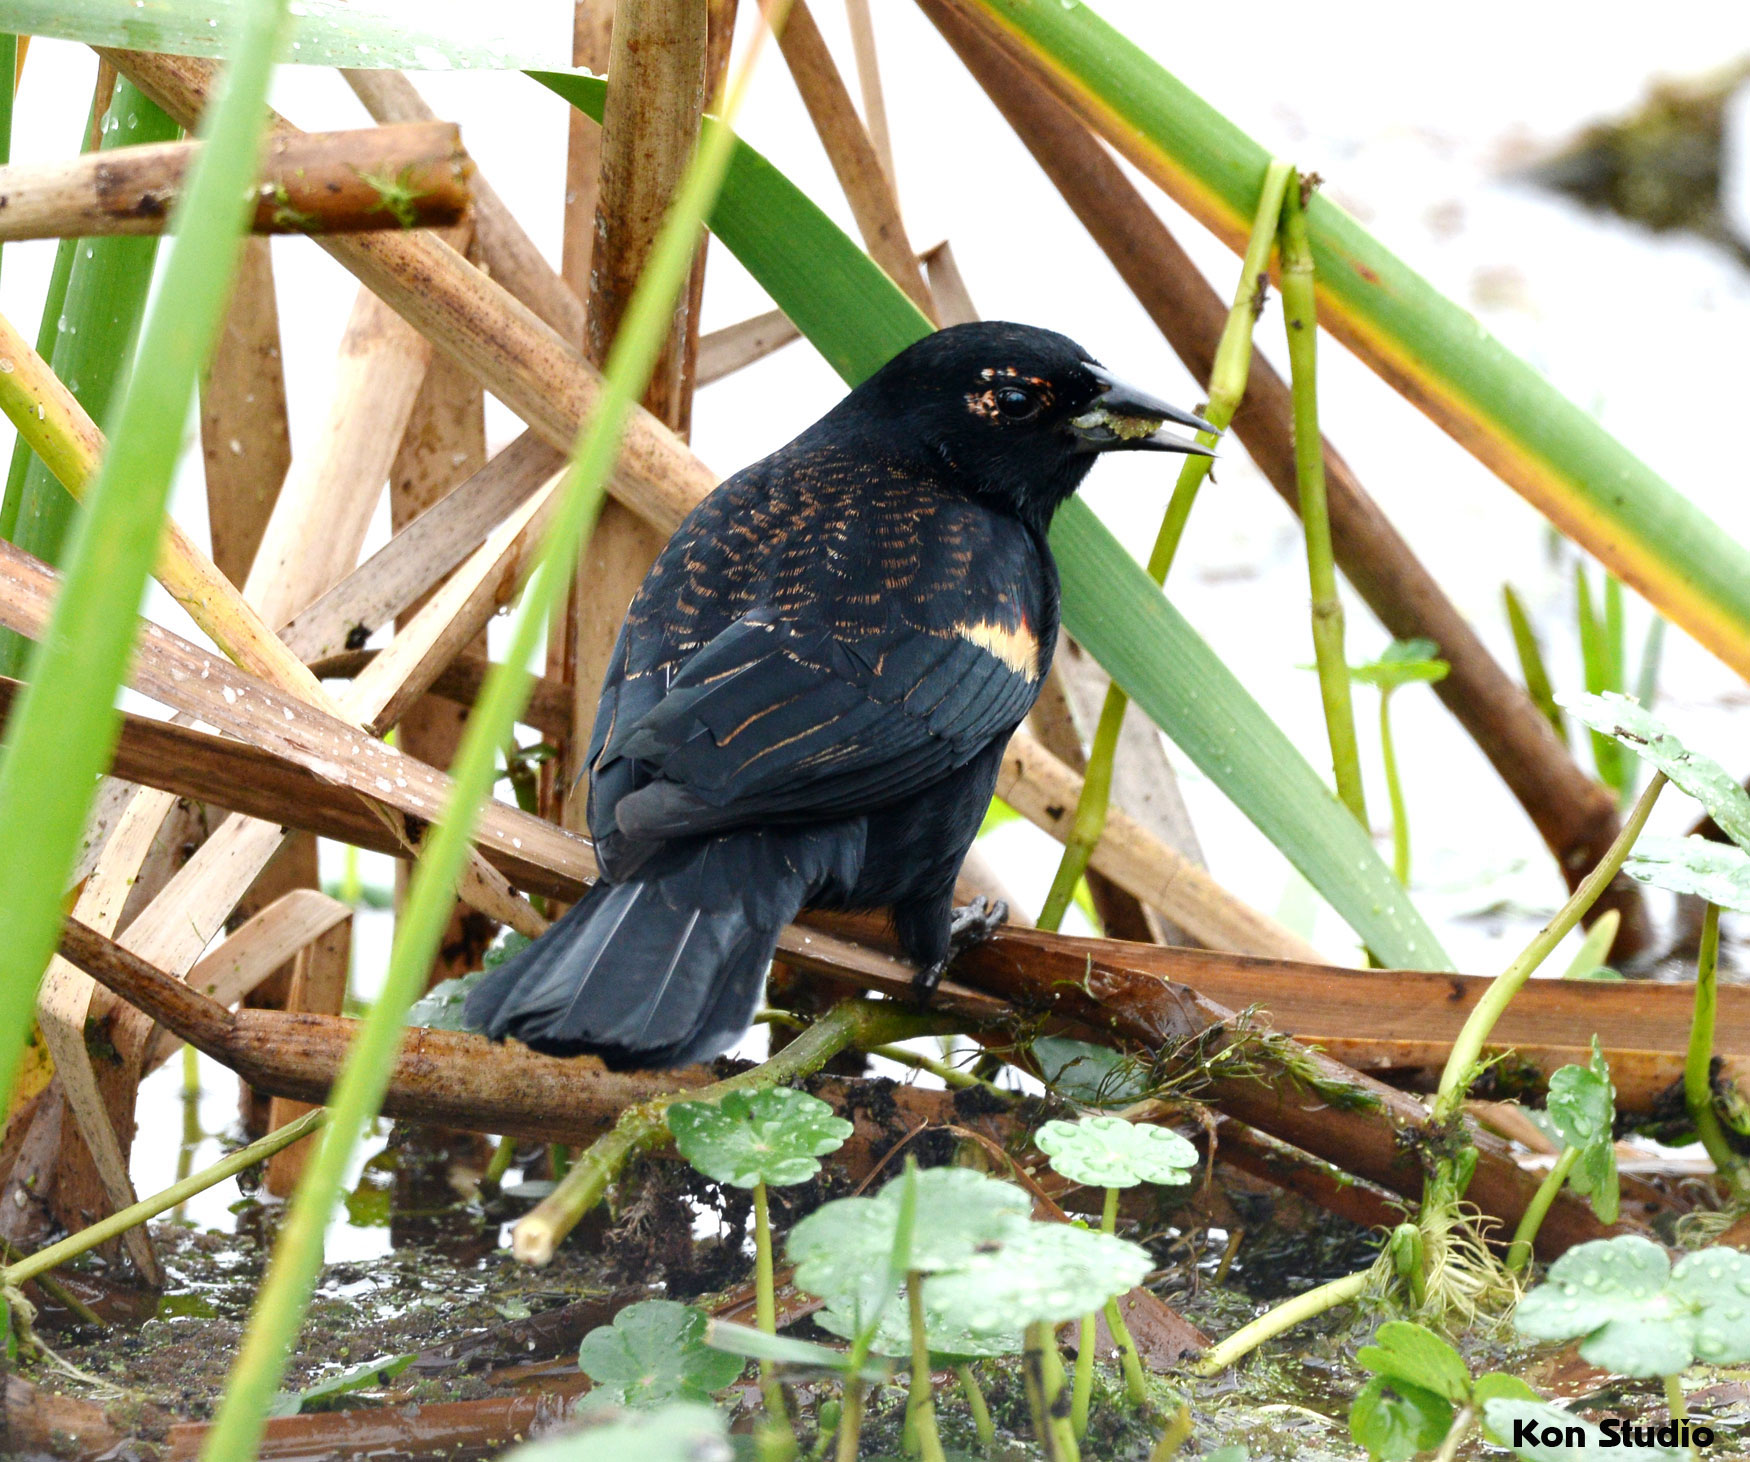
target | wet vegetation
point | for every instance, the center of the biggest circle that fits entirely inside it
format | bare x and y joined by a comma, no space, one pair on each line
1174,1186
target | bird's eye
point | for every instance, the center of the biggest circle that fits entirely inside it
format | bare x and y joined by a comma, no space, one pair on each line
1016,404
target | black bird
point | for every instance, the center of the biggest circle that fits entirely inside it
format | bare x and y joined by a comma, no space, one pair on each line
809,699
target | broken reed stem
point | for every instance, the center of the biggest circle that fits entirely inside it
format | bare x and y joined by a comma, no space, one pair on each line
408,176
1455,1079
147,1208
1284,1317
1698,1090
853,1022
1227,386
1300,316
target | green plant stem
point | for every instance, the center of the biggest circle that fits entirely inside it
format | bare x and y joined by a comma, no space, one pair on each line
1394,790
1652,654
1301,318
63,724
1609,756
8,76
503,1155
1674,1402
1594,949
191,1116
1172,1440
136,1213
850,1436
1698,1091
1135,1386
851,1023
1083,1390
1531,666
1462,1426
91,344
1056,1413
1519,1254
1455,1079
975,1403
53,1288
766,1307
358,1093
898,1264
920,1410
1035,1340
1284,1317
1227,385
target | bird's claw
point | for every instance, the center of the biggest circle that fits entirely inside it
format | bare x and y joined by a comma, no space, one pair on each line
968,926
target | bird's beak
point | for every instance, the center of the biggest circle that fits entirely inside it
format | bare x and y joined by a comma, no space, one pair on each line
1124,419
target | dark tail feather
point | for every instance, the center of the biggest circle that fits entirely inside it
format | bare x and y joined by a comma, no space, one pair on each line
661,970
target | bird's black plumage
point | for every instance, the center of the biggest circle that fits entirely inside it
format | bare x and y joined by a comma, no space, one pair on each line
812,690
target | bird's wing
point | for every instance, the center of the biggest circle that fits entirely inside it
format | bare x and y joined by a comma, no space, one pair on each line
773,720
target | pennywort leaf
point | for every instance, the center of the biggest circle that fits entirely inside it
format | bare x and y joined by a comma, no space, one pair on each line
1582,1108
1637,1316
1637,728
1717,872
654,1353
1109,1152
771,1136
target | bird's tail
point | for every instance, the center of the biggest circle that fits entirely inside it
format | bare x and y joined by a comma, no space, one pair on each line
666,968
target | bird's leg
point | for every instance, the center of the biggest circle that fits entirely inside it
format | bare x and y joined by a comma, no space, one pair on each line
967,926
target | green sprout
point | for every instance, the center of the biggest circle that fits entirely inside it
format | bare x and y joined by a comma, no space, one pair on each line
396,195
1582,1109
752,1139
1421,1395
652,1354
1403,662
1636,1315
1111,1153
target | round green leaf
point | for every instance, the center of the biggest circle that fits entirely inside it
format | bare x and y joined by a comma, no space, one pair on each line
654,1353
1499,1386
1715,1284
948,1338
1047,1272
1395,1421
770,1136
1717,872
842,1246
683,1432
1404,662
1637,728
1109,1152
1502,1413
1095,1076
1618,1294
1408,1354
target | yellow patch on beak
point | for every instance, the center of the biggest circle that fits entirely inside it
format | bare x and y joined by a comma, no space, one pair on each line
1017,648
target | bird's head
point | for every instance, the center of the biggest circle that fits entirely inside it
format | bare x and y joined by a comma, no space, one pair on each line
1013,412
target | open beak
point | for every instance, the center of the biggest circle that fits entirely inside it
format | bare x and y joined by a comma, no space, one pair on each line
1124,419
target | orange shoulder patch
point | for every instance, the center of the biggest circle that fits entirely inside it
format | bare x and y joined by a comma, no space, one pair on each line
1018,648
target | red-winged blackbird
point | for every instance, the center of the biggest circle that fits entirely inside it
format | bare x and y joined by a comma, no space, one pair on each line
811,693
